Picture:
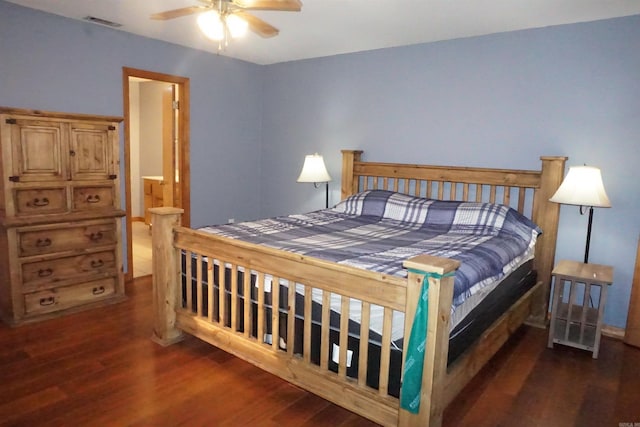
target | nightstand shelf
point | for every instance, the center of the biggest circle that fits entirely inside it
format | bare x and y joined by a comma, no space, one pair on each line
580,293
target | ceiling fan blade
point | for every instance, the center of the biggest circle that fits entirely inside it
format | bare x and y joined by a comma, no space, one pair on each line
177,13
258,26
283,5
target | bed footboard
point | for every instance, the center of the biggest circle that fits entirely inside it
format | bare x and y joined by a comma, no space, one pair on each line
248,300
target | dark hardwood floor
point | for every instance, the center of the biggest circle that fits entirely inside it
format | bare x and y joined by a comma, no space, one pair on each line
99,368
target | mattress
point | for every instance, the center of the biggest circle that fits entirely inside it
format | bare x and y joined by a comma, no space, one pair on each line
378,230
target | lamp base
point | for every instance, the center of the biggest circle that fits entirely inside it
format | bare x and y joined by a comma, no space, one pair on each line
586,249
327,196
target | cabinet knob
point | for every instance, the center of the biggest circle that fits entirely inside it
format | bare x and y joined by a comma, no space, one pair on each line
93,198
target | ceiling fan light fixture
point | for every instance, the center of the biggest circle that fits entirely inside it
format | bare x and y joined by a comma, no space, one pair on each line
211,25
237,26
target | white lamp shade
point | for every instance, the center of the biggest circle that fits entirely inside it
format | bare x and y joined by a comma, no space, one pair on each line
583,187
314,169
211,25
214,26
237,26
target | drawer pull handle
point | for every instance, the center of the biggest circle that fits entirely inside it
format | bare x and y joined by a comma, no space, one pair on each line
38,203
96,263
43,243
99,290
95,237
47,301
45,272
93,199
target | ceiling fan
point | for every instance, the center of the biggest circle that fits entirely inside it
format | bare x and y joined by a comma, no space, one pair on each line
221,20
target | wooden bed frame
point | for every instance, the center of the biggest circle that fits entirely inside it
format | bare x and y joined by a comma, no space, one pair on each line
522,189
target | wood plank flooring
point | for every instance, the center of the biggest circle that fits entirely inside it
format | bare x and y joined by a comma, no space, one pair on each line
99,368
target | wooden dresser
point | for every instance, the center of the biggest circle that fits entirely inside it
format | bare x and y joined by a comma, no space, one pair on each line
60,216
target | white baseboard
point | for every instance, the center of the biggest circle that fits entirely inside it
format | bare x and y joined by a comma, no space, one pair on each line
613,332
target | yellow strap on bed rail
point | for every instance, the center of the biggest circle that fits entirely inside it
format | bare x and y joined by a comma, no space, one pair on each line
414,360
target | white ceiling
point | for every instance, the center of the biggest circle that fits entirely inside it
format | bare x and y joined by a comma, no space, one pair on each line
330,27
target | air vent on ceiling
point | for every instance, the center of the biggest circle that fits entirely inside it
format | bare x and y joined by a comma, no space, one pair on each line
102,21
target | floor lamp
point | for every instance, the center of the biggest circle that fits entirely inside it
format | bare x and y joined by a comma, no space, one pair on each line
314,170
583,187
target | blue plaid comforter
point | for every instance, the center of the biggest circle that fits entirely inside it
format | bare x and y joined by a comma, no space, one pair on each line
377,230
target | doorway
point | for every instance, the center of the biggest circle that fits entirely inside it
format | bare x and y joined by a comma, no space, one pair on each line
169,146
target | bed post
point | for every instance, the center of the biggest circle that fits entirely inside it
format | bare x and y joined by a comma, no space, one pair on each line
432,402
165,275
349,181
546,214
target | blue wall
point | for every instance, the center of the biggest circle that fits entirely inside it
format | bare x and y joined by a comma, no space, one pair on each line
497,101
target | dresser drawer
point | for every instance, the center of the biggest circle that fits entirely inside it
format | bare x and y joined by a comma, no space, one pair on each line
64,237
83,267
68,296
93,197
37,201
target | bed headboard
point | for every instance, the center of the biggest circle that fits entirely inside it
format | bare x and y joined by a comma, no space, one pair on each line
527,191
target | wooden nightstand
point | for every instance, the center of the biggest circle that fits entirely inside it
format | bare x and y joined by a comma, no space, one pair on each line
576,316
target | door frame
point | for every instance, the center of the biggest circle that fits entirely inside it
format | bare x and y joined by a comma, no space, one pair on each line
183,147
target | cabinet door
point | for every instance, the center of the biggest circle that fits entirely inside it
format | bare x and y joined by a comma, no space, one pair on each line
148,199
91,151
38,149
157,193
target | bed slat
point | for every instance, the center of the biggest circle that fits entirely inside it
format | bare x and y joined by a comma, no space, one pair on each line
261,307
492,193
307,325
248,313
344,336
363,360
275,313
521,199
210,288
324,334
506,197
291,317
222,300
234,298
199,284
189,276
385,352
